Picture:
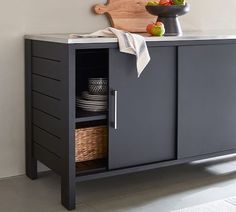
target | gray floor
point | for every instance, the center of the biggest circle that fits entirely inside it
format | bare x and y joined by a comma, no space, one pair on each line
161,190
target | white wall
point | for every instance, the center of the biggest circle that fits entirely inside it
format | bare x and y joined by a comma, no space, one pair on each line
59,16
210,15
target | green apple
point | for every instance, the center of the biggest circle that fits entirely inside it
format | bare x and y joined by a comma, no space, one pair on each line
178,2
152,3
158,29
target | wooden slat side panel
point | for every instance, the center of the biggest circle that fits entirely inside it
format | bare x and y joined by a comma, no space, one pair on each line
46,140
48,50
47,123
47,86
47,68
47,158
47,104
30,161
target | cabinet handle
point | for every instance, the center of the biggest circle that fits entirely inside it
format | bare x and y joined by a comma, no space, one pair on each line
115,109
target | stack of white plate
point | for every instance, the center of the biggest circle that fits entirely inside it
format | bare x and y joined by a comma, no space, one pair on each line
86,95
91,102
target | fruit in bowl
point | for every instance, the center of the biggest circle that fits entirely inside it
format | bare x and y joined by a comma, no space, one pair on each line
178,2
166,2
167,12
153,3
156,29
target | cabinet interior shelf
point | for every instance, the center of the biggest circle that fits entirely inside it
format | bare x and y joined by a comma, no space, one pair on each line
92,67
89,167
86,116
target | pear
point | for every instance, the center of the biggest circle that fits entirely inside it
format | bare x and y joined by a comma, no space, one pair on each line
158,29
179,2
152,3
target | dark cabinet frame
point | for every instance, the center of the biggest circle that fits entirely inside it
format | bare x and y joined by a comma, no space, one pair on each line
51,115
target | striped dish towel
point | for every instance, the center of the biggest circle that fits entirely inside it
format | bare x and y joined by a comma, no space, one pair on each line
128,43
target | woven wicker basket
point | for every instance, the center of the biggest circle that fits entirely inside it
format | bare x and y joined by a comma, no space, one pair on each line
90,143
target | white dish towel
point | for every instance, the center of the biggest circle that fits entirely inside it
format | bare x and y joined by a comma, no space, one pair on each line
128,43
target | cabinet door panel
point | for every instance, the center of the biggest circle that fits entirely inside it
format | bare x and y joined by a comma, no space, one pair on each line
207,99
146,109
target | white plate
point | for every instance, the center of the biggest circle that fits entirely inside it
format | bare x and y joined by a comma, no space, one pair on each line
92,109
86,95
95,97
91,106
88,102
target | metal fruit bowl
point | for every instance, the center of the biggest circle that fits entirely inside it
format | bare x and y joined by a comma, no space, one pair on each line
168,15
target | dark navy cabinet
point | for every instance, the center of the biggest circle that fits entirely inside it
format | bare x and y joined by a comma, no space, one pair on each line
182,108
146,108
207,99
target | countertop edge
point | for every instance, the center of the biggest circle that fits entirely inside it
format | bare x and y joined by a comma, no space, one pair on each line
64,38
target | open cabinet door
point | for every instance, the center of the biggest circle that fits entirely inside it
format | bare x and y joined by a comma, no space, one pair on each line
142,111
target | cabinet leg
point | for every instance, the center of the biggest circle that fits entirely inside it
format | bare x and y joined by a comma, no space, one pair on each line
31,168
68,194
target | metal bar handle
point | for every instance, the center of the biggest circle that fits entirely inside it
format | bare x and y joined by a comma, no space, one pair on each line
115,109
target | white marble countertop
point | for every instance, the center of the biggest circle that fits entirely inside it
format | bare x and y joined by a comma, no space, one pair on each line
194,35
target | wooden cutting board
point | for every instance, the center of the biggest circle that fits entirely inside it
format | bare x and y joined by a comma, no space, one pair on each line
129,15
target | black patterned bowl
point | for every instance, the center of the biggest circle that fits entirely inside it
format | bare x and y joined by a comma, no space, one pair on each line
168,15
98,86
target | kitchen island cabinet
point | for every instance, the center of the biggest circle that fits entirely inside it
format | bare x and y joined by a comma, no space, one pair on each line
182,108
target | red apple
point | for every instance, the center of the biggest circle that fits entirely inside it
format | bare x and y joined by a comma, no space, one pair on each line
149,28
157,29
165,2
